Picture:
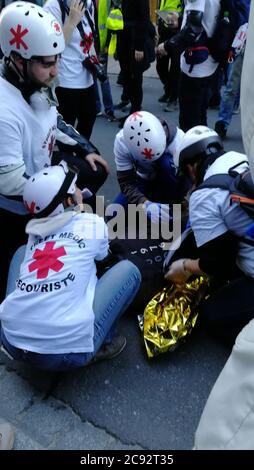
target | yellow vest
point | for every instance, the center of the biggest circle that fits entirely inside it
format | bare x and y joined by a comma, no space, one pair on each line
114,23
171,5
103,11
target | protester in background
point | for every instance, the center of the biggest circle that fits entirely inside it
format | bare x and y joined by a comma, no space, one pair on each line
197,65
232,87
103,10
168,66
135,50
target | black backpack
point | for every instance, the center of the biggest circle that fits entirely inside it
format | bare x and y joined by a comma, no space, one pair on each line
233,13
240,187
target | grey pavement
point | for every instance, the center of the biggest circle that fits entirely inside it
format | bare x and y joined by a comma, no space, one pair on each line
129,402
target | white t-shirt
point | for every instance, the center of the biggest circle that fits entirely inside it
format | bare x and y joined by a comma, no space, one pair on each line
145,169
27,135
71,72
210,9
51,309
212,215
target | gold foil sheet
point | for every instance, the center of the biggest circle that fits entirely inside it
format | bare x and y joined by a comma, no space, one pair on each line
171,314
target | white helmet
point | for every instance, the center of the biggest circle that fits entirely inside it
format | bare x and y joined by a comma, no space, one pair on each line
30,31
144,136
46,190
196,142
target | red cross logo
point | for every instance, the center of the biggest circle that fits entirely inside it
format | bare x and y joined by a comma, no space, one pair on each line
148,153
18,37
57,27
87,42
51,145
30,208
135,116
47,259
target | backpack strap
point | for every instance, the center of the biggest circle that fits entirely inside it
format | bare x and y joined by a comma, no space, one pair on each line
63,8
221,181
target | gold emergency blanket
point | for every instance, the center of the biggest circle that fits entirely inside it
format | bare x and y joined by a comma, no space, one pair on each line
171,315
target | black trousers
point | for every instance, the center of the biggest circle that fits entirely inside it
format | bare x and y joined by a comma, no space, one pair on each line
169,76
78,104
132,72
230,305
229,308
194,94
87,177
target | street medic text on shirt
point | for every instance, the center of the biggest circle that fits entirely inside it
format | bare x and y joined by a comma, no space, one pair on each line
76,238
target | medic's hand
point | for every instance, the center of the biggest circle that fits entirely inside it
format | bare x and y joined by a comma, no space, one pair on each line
93,158
158,212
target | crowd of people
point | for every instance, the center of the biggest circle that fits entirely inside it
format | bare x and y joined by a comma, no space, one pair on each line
56,314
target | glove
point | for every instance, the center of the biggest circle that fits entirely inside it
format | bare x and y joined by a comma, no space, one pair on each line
158,212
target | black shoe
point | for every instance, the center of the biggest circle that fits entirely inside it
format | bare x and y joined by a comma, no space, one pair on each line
121,105
163,98
221,129
110,350
110,116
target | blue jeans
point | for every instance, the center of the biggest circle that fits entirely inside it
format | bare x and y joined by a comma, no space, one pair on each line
230,94
105,90
114,292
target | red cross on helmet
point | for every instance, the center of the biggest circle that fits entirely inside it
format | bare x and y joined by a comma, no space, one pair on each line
144,136
30,31
45,191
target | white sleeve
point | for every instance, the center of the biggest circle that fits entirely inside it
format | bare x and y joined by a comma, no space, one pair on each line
12,179
227,421
11,139
205,217
123,158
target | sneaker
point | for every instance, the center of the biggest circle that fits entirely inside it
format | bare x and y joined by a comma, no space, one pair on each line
110,350
163,98
121,104
100,113
110,116
171,106
221,129
6,436
237,110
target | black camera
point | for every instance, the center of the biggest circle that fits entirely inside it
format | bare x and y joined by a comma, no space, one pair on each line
92,64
